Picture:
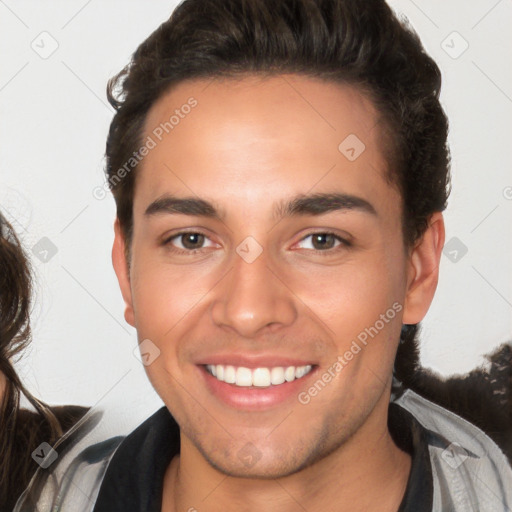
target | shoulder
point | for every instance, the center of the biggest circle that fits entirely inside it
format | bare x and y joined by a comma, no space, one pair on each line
134,478
469,471
31,431
82,452
104,451
68,415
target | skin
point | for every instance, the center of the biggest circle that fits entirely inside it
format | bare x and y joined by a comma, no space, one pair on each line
247,146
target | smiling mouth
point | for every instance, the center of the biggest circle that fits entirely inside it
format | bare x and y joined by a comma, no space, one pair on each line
258,377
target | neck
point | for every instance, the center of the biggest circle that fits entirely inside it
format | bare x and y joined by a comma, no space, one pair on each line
368,472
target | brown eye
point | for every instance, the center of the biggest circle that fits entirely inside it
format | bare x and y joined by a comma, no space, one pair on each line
192,240
189,241
322,241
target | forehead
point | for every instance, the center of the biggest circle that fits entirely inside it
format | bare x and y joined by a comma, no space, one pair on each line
254,139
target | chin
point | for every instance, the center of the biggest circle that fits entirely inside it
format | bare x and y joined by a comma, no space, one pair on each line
246,460
269,470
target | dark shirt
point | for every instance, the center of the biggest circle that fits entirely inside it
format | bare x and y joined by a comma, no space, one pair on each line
134,479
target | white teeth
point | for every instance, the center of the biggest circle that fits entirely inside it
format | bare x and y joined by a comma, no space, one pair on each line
277,376
289,373
299,372
243,376
229,374
259,377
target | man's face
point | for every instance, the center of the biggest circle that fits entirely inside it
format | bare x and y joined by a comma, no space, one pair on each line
258,284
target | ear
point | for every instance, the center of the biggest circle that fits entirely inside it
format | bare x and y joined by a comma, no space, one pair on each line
122,272
423,271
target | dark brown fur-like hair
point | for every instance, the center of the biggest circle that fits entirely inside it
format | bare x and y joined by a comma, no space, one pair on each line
482,396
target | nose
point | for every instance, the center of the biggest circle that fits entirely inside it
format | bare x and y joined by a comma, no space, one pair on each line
253,299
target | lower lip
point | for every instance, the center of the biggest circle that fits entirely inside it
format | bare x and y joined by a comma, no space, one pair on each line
254,398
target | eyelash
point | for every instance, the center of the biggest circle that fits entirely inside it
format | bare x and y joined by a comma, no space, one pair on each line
343,242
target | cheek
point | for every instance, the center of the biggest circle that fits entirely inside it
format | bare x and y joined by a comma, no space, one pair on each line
162,301
152,291
350,297
169,302
163,295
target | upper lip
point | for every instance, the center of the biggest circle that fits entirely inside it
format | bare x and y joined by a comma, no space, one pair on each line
254,361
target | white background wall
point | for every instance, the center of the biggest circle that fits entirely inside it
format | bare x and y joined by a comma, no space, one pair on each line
53,123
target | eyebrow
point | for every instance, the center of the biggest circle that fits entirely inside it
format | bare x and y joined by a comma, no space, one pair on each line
310,204
319,204
185,206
